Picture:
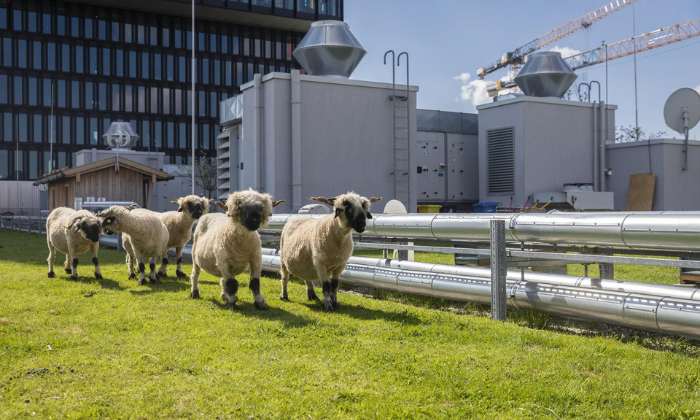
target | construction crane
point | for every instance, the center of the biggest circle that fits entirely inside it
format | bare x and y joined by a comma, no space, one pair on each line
516,57
644,42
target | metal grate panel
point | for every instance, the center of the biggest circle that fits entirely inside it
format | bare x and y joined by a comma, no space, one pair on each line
501,161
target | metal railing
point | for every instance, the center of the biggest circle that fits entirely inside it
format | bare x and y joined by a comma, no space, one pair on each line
29,224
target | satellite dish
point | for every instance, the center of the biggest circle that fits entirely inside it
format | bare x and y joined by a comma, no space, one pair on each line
682,110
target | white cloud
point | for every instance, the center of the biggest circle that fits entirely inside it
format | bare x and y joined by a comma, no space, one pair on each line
565,51
697,88
473,91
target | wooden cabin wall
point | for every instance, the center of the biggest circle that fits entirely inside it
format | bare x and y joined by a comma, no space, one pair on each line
127,185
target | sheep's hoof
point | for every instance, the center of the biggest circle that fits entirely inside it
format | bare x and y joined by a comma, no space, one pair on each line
153,280
336,305
98,276
284,298
328,307
261,306
68,271
132,276
194,294
159,275
180,274
142,282
232,306
74,277
52,274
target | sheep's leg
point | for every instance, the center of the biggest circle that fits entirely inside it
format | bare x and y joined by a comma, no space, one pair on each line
152,266
163,269
142,270
130,258
229,289
285,279
66,265
323,277
93,250
51,259
194,280
310,292
178,253
334,287
74,262
254,284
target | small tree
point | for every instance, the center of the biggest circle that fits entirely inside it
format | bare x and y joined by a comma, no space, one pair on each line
630,134
204,173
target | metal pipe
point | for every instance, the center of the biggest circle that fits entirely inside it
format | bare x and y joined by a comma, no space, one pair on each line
667,230
661,313
194,72
393,110
596,186
296,140
411,174
258,137
603,140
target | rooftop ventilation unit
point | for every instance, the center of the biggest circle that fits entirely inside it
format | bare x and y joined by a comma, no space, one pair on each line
329,49
121,135
545,74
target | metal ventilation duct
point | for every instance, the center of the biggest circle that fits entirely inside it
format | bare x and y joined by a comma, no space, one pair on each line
545,74
329,49
121,135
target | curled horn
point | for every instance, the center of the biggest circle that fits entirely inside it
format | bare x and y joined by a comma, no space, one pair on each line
75,224
222,205
329,201
278,202
373,199
131,207
174,202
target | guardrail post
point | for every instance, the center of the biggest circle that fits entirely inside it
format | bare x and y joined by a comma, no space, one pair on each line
120,248
499,267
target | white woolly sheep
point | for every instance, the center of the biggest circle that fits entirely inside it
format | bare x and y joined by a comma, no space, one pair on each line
179,224
225,244
319,249
73,232
147,235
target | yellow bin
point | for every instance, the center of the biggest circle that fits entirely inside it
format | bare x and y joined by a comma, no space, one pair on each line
429,208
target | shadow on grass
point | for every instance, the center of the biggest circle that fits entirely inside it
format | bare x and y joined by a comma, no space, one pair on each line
161,286
363,313
104,283
273,314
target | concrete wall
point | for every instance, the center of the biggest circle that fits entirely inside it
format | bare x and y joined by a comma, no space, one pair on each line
675,189
346,138
553,144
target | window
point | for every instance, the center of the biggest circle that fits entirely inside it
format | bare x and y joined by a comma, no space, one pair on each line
119,63
141,99
79,62
75,25
183,135
75,94
239,73
201,41
115,32
116,105
144,65
128,98
37,133
102,28
154,100
22,53
88,25
61,93
3,88
146,134
17,19
80,130
8,123
156,67
93,133
202,104
140,34
51,56
4,161
65,58
132,63
19,164
106,62
60,20
178,101
89,101
204,76
19,91
158,134
166,37
3,20
47,89
33,164
153,36
46,23
65,130
47,162
166,101
212,42
93,60
178,38
224,43
33,91
128,32
181,69
229,73
7,52
36,59
213,105
22,131
102,96
170,133
170,68
217,72
61,159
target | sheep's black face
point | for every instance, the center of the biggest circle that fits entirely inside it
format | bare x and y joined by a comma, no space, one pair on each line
195,209
91,231
251,216
108,224
355,217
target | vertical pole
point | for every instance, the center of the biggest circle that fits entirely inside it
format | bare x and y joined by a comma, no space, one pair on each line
498,270
634,45
194,66
51,133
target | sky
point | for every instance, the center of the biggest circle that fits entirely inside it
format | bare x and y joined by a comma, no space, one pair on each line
448,40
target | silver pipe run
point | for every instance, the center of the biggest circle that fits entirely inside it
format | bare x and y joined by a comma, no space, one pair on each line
656,308
653,230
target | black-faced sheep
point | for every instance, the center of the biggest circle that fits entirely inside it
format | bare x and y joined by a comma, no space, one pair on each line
318,249
146,234
179,224
73,232
225,244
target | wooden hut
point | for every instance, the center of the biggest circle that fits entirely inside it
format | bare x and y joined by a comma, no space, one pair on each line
124,180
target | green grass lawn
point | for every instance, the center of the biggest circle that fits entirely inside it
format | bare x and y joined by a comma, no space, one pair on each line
111,349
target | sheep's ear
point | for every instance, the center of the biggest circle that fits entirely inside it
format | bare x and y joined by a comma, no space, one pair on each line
369,215
131,207
222,205
278,202
179,209
337,212
77,227
329,201
174,202
373,199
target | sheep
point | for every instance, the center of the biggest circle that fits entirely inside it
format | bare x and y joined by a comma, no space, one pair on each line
73,232
319,249
145,232
225,244
179,224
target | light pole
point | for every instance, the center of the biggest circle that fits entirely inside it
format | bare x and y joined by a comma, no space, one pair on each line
194,66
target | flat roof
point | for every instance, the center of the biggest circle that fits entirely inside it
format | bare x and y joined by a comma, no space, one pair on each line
652,142
333,81
551,101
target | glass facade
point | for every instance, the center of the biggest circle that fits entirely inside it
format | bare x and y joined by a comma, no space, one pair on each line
96,65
